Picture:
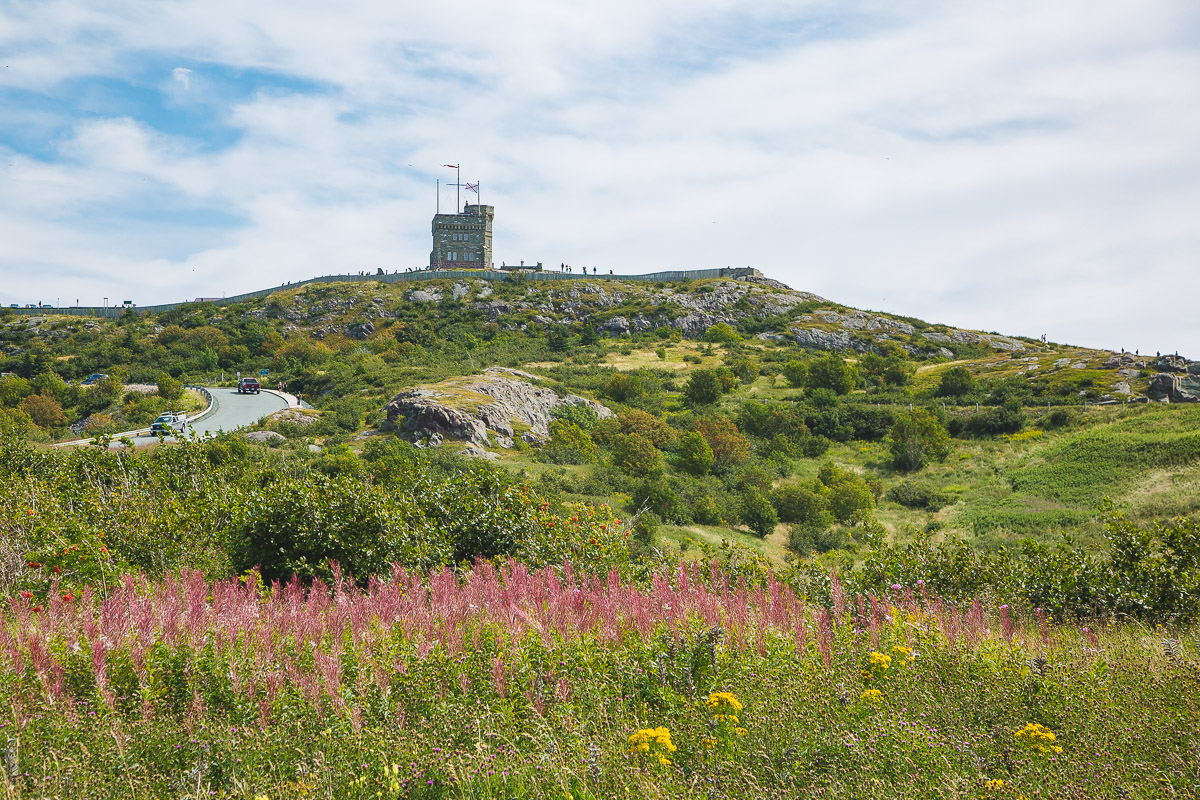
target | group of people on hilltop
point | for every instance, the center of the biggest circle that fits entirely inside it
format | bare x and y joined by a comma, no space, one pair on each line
562,267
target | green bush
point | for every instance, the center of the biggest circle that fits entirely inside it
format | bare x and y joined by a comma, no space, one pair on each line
913,495
833,373
917,438
693,454
757,512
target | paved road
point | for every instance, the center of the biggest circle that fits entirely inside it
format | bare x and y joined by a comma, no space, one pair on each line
232,410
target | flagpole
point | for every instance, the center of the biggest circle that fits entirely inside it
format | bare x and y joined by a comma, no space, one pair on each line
457,189
439,195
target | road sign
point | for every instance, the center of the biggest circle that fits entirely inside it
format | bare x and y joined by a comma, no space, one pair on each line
264,372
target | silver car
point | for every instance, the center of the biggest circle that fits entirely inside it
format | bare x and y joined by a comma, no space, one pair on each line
169,424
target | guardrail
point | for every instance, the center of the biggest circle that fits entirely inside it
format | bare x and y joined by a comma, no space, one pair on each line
409,277
142,431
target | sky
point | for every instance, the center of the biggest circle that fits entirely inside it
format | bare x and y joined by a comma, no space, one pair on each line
1021,166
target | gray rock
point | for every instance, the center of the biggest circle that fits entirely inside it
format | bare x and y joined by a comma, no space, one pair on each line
1172,363
360,331
1079,365
503,441
1059,363
1122,388
314,448
498,399
422,296
616,325
435,439
265,437
458,291
476,452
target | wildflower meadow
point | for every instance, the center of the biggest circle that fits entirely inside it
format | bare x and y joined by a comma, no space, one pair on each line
511,682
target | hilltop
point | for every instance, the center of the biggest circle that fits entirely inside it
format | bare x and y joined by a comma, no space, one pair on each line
361,352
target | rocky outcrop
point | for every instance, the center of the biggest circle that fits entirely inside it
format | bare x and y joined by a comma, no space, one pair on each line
265,437
1172,388
482,409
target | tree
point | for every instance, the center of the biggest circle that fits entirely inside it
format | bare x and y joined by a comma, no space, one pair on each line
916,438
730,448
44,410
646,424
558,337
635,455
795,373
833,373
955,382
799,503
694,454
848,498
588,335
569,444
169,388
703,387
722,333
757,512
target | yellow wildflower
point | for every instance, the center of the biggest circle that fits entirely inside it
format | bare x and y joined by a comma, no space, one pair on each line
1038,738
871,696
880,661
994,785
654,742
723,703
905,654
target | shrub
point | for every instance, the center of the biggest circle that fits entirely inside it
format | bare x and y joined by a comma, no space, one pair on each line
757,512
802,504
703,387
833,373
795,373
850,498
44,411
636,455
913,495
569,444
650,427
169,388
722,333
728,445
694,455
917,438
577,413
955,382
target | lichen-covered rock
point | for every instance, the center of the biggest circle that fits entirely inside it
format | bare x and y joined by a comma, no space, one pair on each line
467,408
265,437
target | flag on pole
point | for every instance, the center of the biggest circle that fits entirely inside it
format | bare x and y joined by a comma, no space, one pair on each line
451,166
473,187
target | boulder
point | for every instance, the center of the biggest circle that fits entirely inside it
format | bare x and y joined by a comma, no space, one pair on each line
422,296
477,452
265,437
1172,363
360,331
617,326
1170,388
467,408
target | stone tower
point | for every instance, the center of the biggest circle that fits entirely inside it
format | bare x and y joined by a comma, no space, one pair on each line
464,240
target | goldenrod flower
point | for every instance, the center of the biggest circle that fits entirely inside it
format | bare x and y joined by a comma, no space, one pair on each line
871,696
1038,738
654,742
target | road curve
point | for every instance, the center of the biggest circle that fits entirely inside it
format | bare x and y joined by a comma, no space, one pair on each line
231,410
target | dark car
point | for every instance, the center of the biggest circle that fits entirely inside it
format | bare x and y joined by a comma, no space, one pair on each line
248,385
94,378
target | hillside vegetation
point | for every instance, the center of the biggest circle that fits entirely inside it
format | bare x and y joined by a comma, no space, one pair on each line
595,539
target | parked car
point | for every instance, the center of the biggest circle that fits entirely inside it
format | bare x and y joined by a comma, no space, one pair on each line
169,424
248,385
94,378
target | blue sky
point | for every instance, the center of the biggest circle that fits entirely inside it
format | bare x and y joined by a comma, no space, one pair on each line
1014,166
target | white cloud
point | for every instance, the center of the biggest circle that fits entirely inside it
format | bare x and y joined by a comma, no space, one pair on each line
1019,167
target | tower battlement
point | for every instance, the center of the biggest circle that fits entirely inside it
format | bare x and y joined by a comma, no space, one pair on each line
463,240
